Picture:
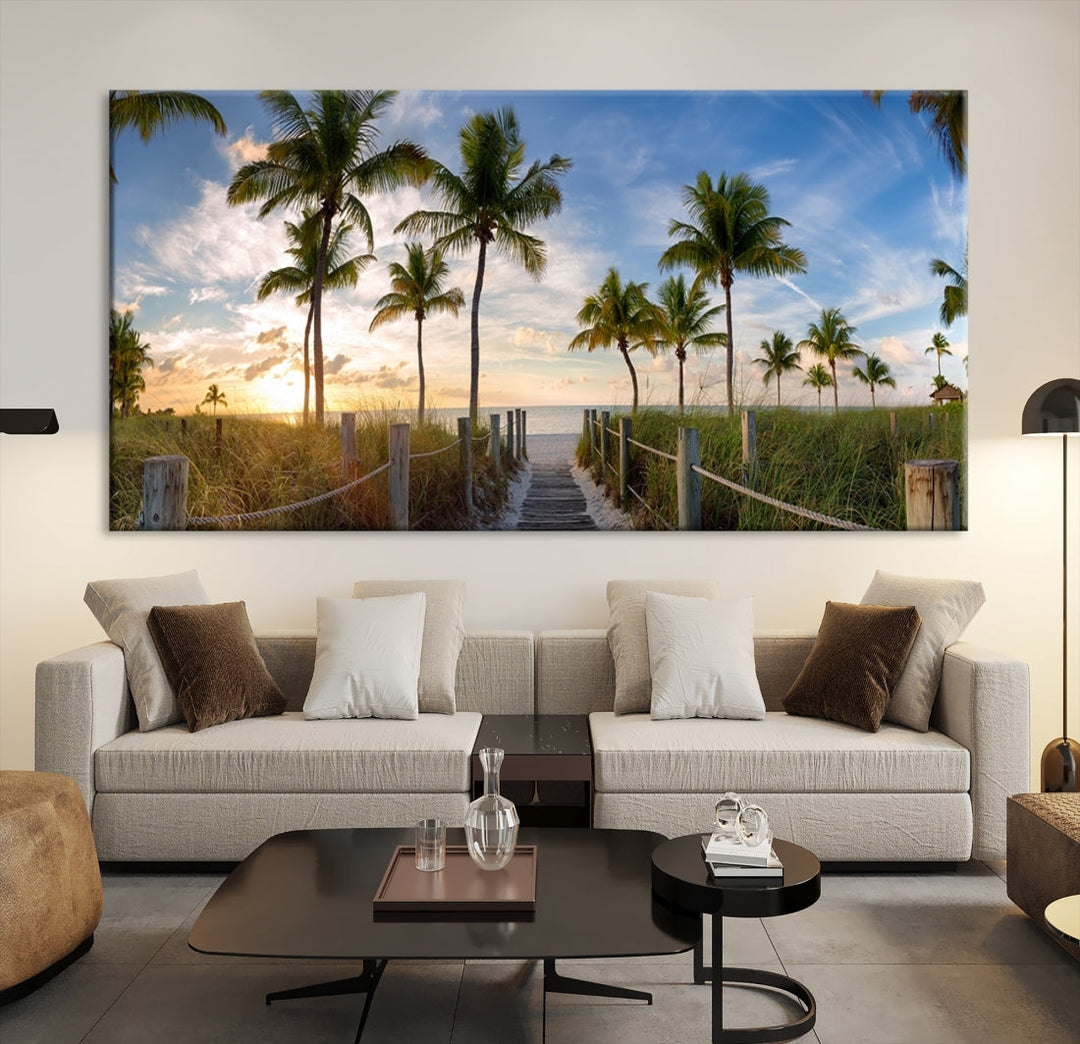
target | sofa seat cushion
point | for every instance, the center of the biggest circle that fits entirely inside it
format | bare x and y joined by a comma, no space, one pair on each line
782,754
287,754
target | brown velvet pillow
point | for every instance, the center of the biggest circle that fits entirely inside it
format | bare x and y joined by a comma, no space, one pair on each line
855,662
212,662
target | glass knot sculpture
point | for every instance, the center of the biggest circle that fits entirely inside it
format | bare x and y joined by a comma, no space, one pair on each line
491,821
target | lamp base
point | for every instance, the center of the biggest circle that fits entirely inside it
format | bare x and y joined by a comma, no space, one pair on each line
1060,762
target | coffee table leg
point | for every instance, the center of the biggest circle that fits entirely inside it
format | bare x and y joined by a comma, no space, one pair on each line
366,982
717,976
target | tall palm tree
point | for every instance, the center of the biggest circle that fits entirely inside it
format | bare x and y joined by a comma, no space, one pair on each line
830,337
299,277
491,201
417,291
941,346
777,356
326,157
954,298
685,319
151,111
817,377
215,397
875,372
730,230
128,354
621,315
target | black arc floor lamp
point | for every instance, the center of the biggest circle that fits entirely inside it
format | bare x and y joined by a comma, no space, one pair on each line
1054,409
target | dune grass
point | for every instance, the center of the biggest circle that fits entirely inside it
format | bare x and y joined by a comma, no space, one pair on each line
847,465
262,463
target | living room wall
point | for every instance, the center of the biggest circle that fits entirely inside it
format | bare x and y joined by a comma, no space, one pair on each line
1019,60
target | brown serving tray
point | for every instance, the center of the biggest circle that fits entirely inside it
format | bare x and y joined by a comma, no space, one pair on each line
460,887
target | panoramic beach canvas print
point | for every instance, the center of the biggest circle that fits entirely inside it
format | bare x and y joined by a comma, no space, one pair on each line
445,310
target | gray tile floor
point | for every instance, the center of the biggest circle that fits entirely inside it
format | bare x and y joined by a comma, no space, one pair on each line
891,958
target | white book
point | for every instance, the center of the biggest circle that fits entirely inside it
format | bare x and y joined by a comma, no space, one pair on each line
723,870
723,850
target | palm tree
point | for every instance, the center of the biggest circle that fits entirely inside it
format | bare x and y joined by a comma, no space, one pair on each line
685,319
490,202
777,356
954,298
830,337
875,372
941,346
299,277
215,398
417,291
325,157
619,315
127,357
151,111
948,122
817,377
730,230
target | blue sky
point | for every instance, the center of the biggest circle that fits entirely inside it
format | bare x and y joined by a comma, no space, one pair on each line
868,196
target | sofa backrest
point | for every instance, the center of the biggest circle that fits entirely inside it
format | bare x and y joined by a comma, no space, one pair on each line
494,670
575,673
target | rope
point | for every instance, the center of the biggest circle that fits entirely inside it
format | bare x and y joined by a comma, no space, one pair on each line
251,516
648,507
815,516
434,453
659,453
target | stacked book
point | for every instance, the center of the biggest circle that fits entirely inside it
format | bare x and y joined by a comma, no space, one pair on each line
730,857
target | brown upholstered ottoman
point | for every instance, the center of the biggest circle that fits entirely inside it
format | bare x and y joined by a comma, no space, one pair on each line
50,883
1043,852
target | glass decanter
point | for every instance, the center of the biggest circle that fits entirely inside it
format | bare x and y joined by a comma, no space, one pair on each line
491,821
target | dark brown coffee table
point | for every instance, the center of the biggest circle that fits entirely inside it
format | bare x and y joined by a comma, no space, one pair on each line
309,894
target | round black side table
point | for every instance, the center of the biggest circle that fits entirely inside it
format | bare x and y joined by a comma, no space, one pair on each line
680,877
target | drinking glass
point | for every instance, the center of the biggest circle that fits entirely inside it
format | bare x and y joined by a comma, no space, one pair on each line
430,844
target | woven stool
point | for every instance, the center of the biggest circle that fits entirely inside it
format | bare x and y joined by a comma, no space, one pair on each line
1043,854
50,883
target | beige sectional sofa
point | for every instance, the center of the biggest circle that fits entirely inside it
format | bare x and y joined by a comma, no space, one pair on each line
897,794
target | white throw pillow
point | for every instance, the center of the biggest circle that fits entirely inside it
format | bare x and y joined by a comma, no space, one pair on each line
367,657
444,634
121,607
701,653
945,607
628,637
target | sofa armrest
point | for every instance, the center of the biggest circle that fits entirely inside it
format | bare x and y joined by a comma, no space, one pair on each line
81,703
983,704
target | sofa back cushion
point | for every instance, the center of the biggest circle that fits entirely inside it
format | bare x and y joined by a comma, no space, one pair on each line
494,671
575,672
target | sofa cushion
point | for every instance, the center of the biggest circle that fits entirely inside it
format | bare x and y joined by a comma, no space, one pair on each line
286,754
782,754
212,663
444,634
701,655
629,639
121,607
945,607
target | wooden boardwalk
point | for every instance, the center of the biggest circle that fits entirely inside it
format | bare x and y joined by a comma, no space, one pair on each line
553,500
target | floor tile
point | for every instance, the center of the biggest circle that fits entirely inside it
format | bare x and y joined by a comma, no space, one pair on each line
951,1004
66,1008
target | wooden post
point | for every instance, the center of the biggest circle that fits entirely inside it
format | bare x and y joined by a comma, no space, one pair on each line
689,481
164,498
626,428
930,420
749,447
183,425
518,437
932,494
524,448
464,434
892,423
585,424
399,476
593,441
496,445
510,435
348,446
605,444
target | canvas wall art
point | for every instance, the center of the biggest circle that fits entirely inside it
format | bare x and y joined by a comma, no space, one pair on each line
445,310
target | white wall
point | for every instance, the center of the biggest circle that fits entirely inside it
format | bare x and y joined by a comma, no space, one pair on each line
1019,60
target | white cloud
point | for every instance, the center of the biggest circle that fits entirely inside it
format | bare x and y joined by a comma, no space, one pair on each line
206,293
244,149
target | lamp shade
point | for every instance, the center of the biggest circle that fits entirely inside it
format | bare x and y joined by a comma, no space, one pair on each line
1053,409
